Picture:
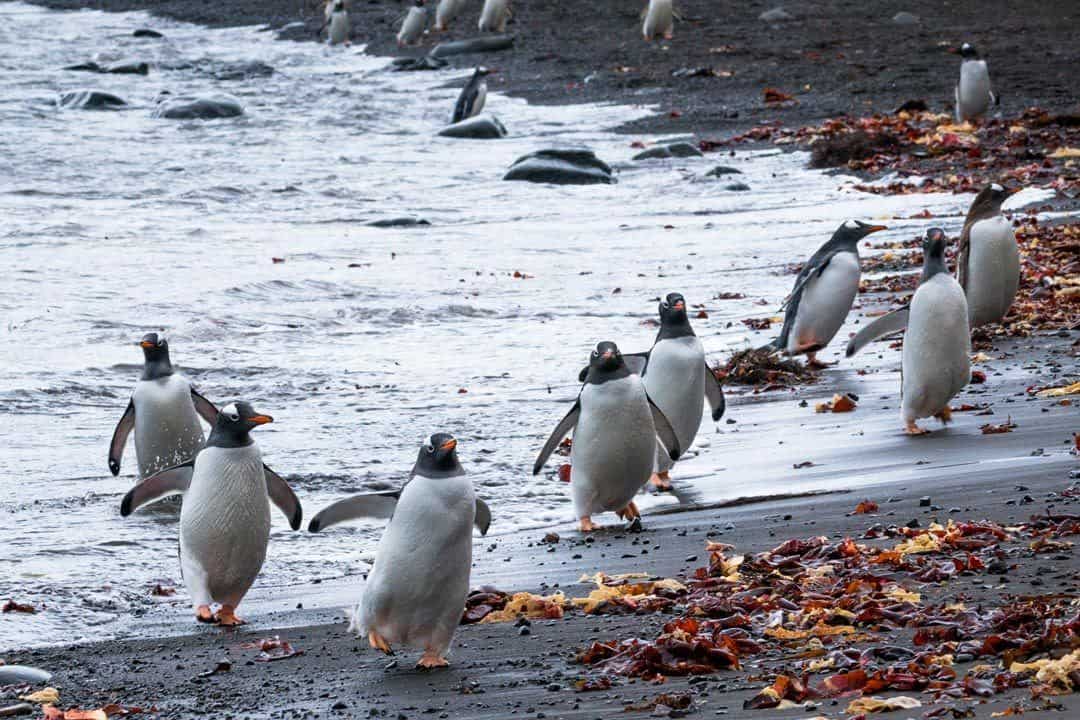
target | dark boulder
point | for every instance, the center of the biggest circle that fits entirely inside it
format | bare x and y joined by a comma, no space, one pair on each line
90,100
677,149
147,33
481,127
421,63
474,45
202,107
23,675
721,170
398,222
121,67
560,167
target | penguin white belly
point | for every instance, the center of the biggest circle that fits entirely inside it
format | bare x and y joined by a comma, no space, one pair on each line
224,525
494,16
611,456
675,381
413,26
167,428
481,98
973,92
659,19
339,28
993,275
937,345
825,303
415,593
446,12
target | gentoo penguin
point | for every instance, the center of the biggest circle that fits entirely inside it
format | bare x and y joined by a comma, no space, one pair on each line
678,380
163,411
471,100
337,19
446,12
988,261
412,27
935,363
973,93
615,426
494,16
823,293
659,20
416,591
225,516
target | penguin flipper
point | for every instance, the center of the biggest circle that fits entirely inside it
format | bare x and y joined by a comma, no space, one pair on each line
714,393
283,497
378,505
962,253
565,426
171,481
483,516
120,436
888,324
637,362
664,431
204,407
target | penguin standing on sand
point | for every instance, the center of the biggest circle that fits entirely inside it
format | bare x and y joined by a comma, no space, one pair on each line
412,27
494,16
473,96
445,13
988,260
615,426
973,93
823,293
659,20
678,380
163,411
935,363
415,593
337,20
225,515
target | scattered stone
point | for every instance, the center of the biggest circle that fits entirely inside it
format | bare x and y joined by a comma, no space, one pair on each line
481,127
737,187
90,100
924,501
677,149
23,674
551,538
839,150
721,170
406,221
560,167
14,710
237,70
198,107
905,18
426,62
146,33
777,14
524,630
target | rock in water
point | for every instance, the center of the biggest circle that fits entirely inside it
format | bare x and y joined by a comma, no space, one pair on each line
426,62
723,170
396,222
203,107
90,100
122,67
737,187
481,127
778,14
237,70
678,149
19,674
147,33
475,45
905,18
561,167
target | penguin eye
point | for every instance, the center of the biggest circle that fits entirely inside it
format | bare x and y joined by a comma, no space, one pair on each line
429,449
595,354
233,416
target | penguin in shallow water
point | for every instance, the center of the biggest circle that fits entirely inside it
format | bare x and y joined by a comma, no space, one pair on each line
988,260
445,13
412,27
225,515
659,20
494,16
973,93
678,380
163,411
473,96
935,363
416,591
823,293
615,426
337,22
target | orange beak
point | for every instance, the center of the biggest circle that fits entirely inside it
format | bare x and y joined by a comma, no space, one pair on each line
261,419
875,228
146,344
448,445
680,305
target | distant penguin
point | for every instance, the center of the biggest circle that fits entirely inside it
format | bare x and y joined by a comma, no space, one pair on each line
678,380
163,411
225,515
494,16
412,27
973,93
615,426
416,591
823,293
445,13
338,22
935,363
988,260
473,96
659,20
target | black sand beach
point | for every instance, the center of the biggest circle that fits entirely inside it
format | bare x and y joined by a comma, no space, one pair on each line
847,58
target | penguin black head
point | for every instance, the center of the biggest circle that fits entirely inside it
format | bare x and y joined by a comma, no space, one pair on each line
988,201
482,71
438,457
156,355
233,424
852,231
933,247
419,3
606,358
968,52
339,5
673,318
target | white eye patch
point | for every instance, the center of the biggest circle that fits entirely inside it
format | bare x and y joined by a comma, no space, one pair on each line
996,188
231,412
850,224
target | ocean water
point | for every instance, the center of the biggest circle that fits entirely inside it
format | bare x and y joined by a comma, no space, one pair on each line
359,341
